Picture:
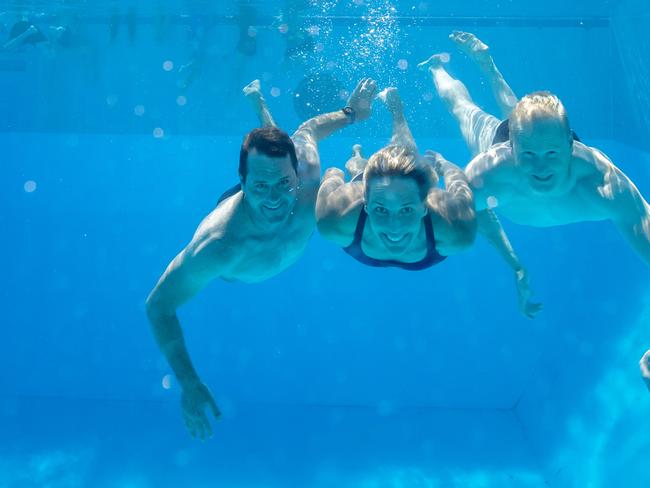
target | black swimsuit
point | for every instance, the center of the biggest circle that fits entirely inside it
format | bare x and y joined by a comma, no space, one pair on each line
229,192
355,250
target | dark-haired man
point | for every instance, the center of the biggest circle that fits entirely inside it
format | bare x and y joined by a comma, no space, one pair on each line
533,167
257,230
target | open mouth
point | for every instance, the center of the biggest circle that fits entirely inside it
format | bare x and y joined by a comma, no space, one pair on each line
394,239
273,207
543,178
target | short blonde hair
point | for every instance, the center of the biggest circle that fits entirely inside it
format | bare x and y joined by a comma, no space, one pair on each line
395,160
536,104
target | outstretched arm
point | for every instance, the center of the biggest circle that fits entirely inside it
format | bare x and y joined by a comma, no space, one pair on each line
490,227
185,276
626,206
452,210
337,206
253,92
633,221
311,132
459,199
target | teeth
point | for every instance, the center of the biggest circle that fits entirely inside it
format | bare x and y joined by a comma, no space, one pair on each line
393,239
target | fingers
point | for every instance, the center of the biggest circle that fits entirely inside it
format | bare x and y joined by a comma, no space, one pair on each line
206,428
215,410
189,423
198,425
366,86
371,87
532,309
359,87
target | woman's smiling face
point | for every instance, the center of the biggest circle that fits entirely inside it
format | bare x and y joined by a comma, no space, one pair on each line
395,211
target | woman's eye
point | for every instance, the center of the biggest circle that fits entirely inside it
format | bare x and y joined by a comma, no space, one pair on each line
552,154
407,210
380,210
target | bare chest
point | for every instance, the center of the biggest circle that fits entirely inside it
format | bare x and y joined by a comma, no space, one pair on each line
260,258
547,211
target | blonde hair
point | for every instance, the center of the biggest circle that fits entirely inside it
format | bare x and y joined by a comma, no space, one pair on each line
536,104
395,160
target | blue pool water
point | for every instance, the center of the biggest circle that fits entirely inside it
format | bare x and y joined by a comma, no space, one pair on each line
331,374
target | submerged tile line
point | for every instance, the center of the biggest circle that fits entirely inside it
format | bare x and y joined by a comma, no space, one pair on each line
266,20
397,408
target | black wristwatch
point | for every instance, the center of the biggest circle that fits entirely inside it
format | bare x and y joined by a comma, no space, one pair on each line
349,113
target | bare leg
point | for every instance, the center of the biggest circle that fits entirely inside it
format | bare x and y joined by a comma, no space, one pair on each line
479,52
253,92
477,127
357,163
401,133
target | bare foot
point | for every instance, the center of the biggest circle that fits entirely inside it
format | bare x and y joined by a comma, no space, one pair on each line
253,89
472,46
357,163
435,61
390,97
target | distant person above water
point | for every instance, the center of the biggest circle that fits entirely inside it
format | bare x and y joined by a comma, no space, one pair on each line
258,229
644,365
390,213
531,167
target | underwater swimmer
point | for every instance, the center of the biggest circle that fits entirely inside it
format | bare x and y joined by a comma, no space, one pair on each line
644,365
257,231
391,213
535,170
23,33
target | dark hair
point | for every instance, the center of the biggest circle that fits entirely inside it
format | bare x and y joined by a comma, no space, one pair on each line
395,160
271,142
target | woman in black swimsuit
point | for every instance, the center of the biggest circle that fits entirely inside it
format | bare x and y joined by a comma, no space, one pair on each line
392,213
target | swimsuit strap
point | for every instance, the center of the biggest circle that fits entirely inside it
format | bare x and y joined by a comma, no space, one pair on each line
432,257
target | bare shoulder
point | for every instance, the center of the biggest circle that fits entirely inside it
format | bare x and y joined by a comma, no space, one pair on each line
599,180
338,211
454,223
492,173
213,239
496,162
308,158
205,258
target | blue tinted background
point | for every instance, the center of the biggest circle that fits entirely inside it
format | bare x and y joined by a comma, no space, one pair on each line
330,374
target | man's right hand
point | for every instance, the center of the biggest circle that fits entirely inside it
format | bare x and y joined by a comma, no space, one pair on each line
644,365
361,98
528,308
195,398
